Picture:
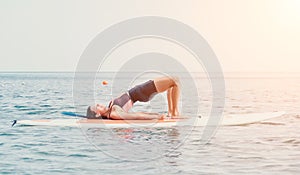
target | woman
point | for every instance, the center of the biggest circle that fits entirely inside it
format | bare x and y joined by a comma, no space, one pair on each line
118,108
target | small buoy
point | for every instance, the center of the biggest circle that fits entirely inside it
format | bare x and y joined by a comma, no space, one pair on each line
104,82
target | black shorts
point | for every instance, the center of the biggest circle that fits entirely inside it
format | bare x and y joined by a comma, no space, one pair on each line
143,92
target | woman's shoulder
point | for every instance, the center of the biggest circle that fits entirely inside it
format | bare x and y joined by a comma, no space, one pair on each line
116,112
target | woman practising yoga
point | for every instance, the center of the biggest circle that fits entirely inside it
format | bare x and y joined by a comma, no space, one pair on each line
118,108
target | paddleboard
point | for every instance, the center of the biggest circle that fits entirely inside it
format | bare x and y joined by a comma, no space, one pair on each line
230,120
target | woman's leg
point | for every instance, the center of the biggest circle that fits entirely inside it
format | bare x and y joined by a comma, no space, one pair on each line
171,85
175,99
170,101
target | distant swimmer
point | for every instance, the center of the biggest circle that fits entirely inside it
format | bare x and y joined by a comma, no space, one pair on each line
118,108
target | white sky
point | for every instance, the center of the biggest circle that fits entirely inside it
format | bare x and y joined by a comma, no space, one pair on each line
246,35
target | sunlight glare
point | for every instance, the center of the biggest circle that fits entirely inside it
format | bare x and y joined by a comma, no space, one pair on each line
288,12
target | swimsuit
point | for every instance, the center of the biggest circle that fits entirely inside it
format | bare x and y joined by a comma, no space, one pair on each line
143,93
124,101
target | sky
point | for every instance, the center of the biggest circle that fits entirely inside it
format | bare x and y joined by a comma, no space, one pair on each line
246,35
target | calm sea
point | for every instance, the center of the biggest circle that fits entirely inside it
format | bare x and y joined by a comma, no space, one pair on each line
271,147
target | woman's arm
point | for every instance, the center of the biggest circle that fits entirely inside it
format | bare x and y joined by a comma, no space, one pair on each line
118,113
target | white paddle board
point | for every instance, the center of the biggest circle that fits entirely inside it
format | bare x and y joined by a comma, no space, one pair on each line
230,120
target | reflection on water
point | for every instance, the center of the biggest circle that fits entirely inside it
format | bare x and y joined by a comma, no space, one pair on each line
135,144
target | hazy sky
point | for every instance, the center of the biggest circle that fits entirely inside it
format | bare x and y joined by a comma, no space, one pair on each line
246,35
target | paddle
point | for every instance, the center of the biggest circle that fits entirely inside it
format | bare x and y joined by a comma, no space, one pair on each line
73,114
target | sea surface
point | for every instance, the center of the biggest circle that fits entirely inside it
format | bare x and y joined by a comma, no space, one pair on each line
271,147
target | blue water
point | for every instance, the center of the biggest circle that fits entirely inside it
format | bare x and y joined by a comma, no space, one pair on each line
265,148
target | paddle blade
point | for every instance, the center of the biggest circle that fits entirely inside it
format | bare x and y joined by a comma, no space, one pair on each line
73,114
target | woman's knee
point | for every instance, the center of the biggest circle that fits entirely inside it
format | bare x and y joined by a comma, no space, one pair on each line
175,80
164,83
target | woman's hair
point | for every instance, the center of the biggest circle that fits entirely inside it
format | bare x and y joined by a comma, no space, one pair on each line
91,114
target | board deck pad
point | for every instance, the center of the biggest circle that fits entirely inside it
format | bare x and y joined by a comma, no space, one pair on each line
230,120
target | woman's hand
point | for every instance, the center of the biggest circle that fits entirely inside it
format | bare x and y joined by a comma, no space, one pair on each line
161,116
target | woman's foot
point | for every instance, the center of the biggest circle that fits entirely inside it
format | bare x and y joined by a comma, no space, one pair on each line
173,114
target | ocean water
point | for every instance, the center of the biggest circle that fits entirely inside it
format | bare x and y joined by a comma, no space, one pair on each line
272,147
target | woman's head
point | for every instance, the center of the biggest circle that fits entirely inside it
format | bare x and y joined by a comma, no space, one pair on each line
96,111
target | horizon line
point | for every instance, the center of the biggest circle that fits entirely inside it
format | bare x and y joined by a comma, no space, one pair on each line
14,71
